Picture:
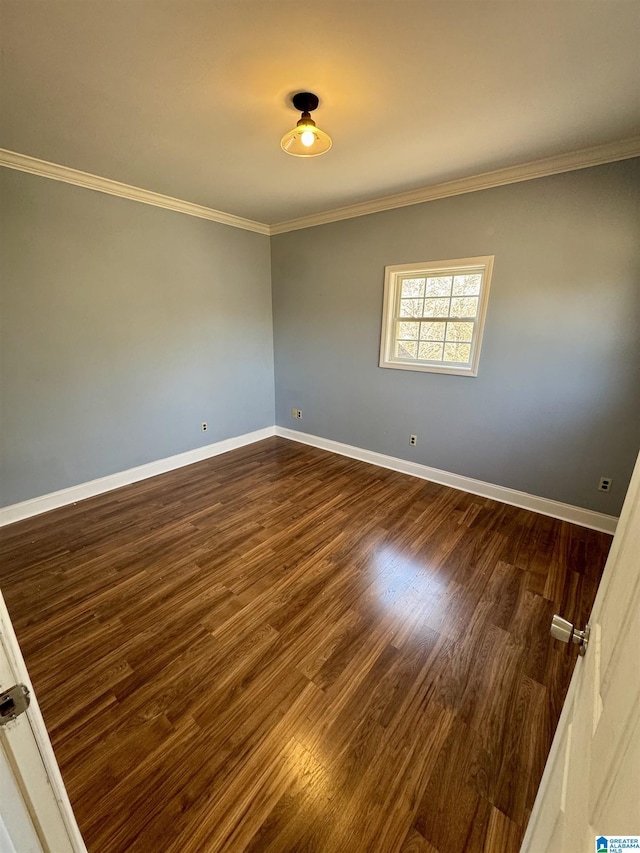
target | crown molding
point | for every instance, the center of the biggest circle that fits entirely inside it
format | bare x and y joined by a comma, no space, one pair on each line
597,156
34,166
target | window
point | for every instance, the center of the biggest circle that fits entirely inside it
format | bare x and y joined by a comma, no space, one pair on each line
434,315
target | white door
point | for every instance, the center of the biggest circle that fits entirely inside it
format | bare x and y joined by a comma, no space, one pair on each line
591,783
35,813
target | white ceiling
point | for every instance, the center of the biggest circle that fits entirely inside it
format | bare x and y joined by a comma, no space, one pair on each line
190,97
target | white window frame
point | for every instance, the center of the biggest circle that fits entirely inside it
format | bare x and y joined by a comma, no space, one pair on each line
391,311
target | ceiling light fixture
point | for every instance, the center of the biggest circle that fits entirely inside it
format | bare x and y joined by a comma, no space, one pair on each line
306,140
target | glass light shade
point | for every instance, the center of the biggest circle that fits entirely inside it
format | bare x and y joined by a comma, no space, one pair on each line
292,142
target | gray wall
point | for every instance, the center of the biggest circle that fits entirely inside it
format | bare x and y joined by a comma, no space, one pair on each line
556,403
123,327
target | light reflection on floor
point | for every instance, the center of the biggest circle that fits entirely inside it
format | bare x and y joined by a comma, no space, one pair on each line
403,585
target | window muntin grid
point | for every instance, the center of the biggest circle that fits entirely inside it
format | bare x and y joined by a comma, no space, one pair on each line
434,316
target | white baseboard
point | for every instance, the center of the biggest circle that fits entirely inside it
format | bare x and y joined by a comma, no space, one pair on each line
545,506
44,503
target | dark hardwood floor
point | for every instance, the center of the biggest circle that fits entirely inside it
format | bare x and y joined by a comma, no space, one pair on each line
280,649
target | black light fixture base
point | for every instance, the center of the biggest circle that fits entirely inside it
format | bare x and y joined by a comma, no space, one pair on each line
305,139
305,102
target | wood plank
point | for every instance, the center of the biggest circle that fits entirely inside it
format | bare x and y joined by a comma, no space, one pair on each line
279,649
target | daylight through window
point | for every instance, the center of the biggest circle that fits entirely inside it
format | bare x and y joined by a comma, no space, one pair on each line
434,315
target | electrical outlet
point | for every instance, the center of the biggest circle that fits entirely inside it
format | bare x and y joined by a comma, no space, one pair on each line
605,484
299,413
203,426
413,440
